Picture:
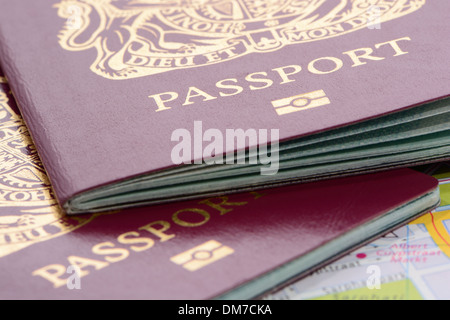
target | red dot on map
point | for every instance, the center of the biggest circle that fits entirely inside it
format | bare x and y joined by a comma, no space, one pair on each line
361,255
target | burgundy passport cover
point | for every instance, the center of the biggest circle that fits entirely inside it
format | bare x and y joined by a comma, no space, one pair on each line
164,252
102,85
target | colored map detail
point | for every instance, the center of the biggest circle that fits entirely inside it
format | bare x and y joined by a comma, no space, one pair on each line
397,290
411,263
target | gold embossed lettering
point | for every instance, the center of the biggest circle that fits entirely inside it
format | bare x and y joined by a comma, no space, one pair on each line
184,223
284,74
251,78
36,233
222,85
196,92
139,244
81,263
361,53
160,102
338,64
52,273
158,228
395,46
111,253
218,203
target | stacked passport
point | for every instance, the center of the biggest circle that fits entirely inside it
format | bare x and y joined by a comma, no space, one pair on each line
141,102
131,103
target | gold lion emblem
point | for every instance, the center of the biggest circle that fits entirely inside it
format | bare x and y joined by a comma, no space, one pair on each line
138,38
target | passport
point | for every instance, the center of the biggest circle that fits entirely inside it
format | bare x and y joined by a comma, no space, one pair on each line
132,103
237,246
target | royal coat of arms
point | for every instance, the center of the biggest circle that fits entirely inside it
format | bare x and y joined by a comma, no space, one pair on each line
138,38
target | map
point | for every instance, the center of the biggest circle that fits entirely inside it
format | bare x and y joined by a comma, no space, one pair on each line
410,263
